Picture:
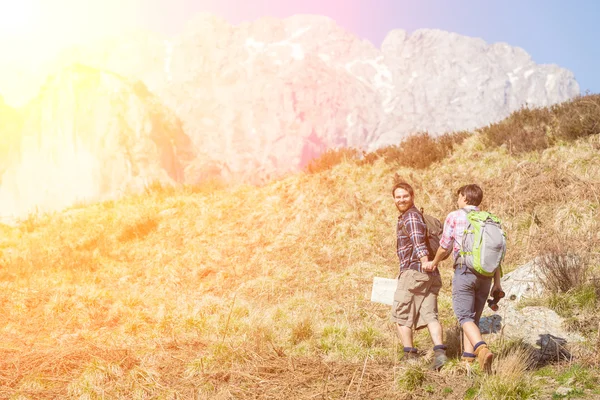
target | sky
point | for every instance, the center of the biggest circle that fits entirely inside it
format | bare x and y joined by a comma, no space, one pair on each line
551,31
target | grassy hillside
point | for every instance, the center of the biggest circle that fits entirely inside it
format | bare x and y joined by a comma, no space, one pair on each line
264,292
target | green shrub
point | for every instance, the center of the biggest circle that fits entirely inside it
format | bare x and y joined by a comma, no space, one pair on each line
449,141
389,154
531,129
418,151
578,117
578,376
523,131
368,336
332,338
510,381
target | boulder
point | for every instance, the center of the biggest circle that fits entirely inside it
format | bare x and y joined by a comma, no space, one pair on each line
529,323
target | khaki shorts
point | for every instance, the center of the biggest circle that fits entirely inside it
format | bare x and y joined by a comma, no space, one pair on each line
415,299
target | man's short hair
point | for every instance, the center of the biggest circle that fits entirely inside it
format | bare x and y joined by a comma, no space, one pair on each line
473,194
405,186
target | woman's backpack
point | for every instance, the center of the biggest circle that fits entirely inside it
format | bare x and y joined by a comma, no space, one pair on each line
484,243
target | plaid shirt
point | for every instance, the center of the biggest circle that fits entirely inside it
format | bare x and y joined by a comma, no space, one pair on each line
454,229
411,225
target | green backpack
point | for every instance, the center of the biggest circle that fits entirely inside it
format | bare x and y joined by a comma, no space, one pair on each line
484,243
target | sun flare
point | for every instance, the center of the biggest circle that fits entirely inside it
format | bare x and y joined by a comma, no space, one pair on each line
17,17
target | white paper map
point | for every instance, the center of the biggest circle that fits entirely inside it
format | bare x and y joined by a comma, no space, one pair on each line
383,290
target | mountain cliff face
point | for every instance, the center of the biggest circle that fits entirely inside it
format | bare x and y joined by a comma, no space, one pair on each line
263,98
90,135
464,83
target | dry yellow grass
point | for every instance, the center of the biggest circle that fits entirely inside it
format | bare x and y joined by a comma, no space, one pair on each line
257,292
510,380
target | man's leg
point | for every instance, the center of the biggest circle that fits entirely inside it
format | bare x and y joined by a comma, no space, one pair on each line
471,329
428,315
477,346
404,312
439,349
406,336
428,310
469,301
468,350
436,332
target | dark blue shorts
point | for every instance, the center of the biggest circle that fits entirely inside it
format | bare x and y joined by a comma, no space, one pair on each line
469,294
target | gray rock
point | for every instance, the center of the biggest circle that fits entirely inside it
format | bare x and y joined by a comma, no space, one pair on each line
528,323
524,282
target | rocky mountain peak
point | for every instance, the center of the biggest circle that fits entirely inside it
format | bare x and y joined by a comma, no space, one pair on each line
262,98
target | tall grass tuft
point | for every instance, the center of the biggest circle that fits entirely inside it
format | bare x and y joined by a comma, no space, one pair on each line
411,377
510,381
562,271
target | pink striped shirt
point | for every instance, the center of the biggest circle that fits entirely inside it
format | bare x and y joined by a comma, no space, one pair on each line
454,229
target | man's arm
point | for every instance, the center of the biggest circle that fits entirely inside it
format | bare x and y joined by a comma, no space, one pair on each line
446,244
416,231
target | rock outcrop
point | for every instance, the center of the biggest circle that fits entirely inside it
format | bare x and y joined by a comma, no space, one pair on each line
88,136
461,82
263,98
530,323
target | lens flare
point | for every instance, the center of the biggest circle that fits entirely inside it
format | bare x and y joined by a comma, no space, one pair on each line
17,16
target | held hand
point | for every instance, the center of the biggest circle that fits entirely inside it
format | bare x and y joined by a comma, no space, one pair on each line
429,266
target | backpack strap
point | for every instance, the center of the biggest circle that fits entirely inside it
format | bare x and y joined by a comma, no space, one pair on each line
462,253
424,223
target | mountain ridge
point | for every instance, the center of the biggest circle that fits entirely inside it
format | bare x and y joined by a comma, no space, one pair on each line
263,98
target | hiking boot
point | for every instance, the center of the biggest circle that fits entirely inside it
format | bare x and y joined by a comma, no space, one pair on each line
439,359
467,359
484,357
412,356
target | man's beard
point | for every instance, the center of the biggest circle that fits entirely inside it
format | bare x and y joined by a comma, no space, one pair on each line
403,207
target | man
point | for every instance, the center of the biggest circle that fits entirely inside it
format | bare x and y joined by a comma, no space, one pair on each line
415,299
470,290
